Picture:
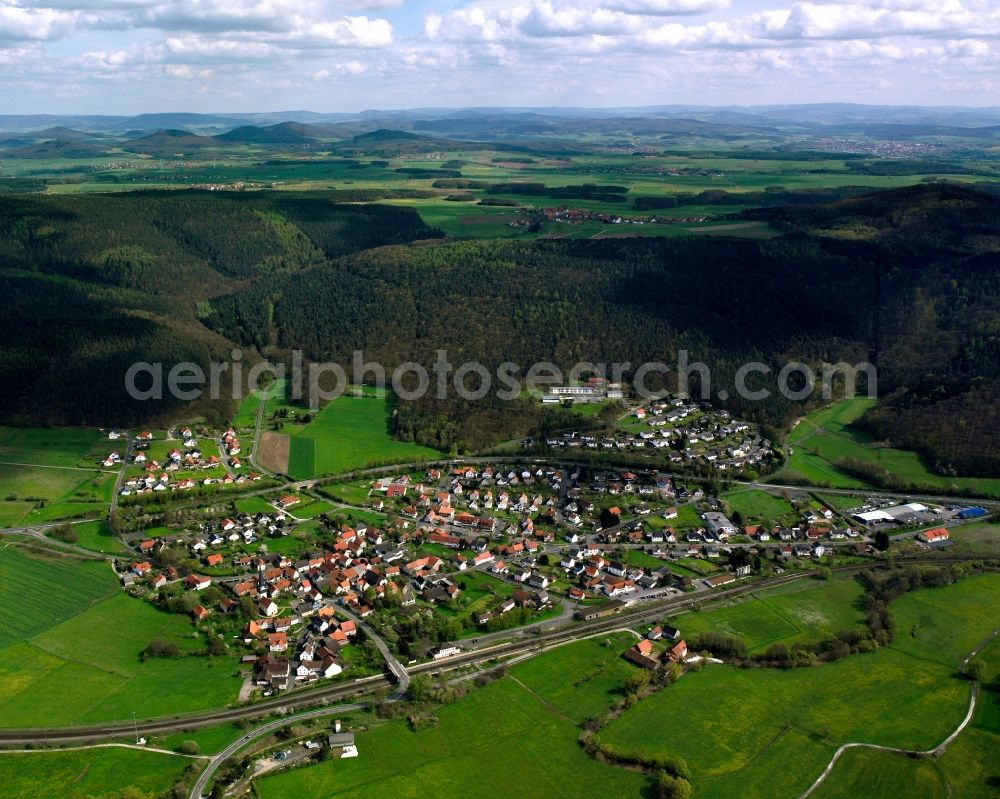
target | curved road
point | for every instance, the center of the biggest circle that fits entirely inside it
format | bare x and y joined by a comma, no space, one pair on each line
937,751
402,678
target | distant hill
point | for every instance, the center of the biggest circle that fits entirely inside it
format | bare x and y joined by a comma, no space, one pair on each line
386,134
56,149
928,219
174,121
282,133
169,142
60,133
529,124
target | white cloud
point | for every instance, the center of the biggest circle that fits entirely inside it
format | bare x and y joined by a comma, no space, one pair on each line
478,51
18,24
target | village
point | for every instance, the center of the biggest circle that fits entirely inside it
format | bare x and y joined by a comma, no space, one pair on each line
688,434
441,561
533,217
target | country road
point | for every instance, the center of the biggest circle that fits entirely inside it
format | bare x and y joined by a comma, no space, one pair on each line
630,616
402,684
937,751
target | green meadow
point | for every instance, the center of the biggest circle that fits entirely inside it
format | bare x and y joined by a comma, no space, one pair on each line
88,773
97,536
733,716
945,624
517,736
967,770
70,647
581,679
350,433
825,437
803,611
756,506
741,725
53,473
38,593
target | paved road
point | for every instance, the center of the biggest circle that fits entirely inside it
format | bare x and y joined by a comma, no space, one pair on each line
198,789
121,472
397,668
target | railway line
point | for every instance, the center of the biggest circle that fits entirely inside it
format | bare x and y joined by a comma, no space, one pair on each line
371,686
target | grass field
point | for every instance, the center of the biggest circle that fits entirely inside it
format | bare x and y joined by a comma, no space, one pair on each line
869,772
505,739
96,536
38,593
254,505
733,715
802,611
963,771
944,624
735,721
824,437
53,473
82,664
698,566
86,774
350,433
975,540
757,506
209,739
688,518
581,679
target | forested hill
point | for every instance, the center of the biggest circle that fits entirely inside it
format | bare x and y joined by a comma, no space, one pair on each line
939,346
92,283
845,283
89,284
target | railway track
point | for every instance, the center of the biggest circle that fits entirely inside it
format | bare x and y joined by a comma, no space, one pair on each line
368,686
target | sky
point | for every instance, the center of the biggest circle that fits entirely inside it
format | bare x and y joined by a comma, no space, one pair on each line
135,56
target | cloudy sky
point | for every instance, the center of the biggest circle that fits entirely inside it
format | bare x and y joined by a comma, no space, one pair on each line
130,56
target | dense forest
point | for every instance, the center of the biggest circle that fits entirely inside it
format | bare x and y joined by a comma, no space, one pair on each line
908,278
91,284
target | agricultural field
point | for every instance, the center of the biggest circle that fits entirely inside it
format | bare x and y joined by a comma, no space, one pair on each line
825,437
803,611
38,593
581,679
944,624
869,772
733,716
85,666
528,725
350,433
907,695
52,473
88,773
